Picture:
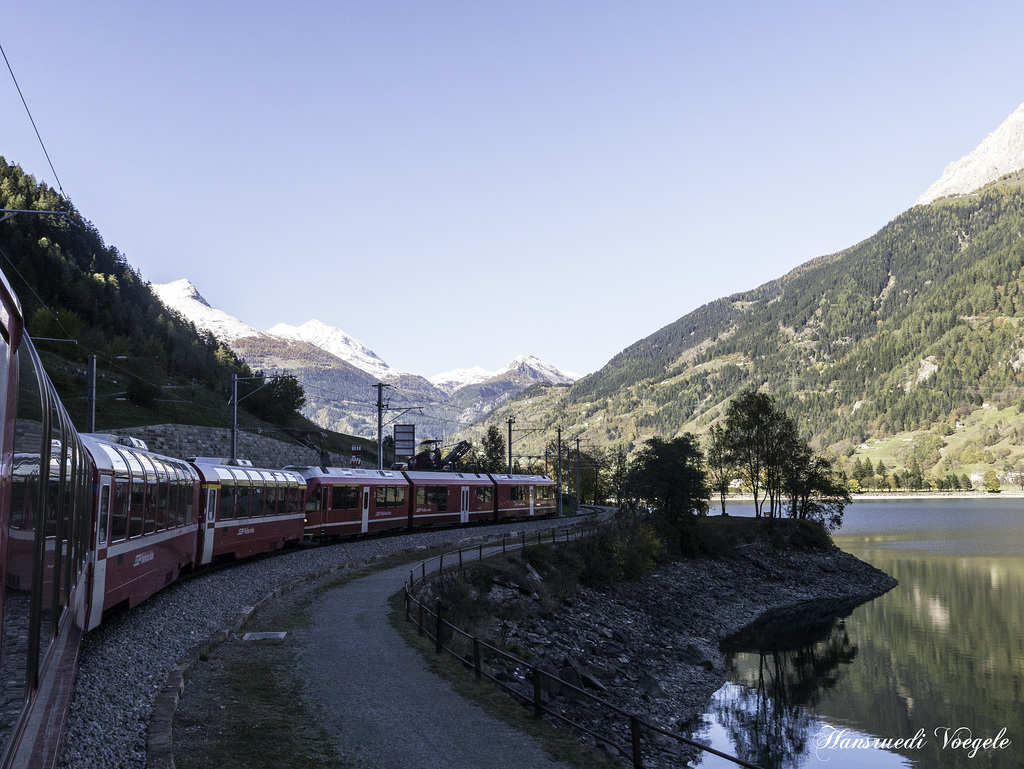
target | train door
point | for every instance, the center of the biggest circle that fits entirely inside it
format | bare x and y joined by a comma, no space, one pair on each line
208,525
99,574
464,515
318,514
365,526
531,498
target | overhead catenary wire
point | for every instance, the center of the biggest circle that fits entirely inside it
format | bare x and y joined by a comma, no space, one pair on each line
32,120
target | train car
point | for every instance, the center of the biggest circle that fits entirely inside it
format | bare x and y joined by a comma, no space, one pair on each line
247,510
449,498
518,496
347,501
146,513
45,525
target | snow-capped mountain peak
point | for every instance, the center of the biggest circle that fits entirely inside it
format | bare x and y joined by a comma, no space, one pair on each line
182,296
529,366
1002,152
533,363
450,381
336,342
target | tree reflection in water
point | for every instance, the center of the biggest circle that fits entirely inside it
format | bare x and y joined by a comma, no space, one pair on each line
784,664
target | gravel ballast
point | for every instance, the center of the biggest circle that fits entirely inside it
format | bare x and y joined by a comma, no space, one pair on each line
125,664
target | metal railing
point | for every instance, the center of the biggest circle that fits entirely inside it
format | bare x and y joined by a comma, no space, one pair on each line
431,624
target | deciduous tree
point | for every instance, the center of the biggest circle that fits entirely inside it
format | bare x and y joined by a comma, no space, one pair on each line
671,475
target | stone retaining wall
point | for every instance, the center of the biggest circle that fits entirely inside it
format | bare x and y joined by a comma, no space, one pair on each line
190,441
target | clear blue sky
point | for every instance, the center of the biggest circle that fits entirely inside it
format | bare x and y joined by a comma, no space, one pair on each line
458,183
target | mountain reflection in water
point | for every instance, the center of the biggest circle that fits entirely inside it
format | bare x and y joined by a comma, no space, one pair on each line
941,654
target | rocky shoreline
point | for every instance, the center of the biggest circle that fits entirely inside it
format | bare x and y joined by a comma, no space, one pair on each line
652,647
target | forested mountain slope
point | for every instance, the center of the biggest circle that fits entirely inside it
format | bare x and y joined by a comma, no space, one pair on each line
74,286
912,329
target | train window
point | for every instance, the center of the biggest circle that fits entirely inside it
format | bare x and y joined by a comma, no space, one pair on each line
313,500
119,515
150,521
17,662
256,509
24,485
243,495
227,501
390,496
83,507
433,495
517,493
345,498
186,498
293,499
162,494
174,502
187,501
136,508
484,495
150,499
53,496
103,513
545,492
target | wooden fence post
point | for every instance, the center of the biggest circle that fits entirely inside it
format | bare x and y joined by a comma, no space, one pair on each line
538,705
438,641
634,731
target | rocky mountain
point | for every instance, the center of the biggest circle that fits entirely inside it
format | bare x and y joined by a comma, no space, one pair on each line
523,368
336,342
340,374
1001,153
182,296
450,381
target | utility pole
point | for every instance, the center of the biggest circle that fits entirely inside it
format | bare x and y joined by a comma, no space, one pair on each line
380,424
511,420
234,406
579,496
90,420
234,418
559,471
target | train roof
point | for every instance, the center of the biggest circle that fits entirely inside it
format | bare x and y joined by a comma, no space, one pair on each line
119,458
347,474
506,478
422,476
249,475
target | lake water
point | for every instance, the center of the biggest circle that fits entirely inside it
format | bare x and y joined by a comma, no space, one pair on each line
930,670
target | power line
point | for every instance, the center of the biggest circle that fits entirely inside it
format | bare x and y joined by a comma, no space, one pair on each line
32,120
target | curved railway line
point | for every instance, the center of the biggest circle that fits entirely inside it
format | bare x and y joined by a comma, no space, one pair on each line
90,526
125,664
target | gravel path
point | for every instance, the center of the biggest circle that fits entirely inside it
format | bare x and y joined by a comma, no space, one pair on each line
125,663
385,709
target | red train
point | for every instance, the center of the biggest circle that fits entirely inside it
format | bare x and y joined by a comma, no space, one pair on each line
347,501
88,525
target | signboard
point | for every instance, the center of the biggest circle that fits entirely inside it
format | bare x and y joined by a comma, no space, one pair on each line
405,440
